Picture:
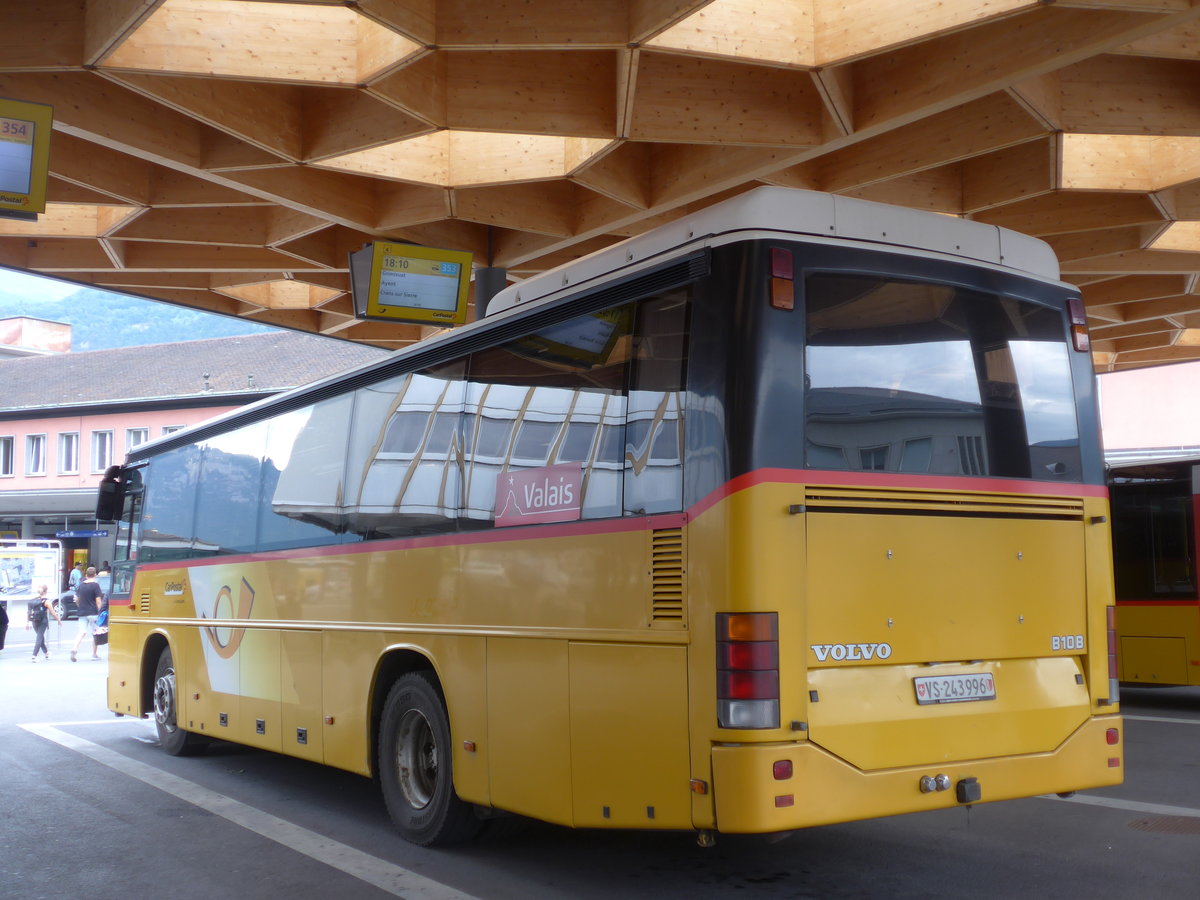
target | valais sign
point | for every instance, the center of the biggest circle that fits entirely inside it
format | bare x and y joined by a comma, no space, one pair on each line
536,496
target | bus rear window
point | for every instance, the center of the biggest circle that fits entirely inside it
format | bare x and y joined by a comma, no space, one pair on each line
905,376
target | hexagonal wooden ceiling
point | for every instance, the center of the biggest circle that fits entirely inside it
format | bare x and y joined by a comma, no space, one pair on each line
227,154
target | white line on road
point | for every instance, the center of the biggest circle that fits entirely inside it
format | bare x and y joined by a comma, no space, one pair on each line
384,875
1160,719
1157,809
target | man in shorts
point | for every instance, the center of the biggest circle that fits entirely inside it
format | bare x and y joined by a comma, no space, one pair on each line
89,600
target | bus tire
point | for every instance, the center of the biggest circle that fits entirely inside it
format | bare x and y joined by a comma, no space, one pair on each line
171,737
415,766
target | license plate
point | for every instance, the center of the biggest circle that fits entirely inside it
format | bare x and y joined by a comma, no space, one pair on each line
954,688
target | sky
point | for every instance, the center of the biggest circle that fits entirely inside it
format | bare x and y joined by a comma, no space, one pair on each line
36,286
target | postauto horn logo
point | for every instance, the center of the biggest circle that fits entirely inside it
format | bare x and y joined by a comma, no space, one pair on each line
224,639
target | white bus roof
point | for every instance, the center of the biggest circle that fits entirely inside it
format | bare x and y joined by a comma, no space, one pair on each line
780,212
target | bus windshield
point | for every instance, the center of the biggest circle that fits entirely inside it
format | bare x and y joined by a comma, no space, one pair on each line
904,376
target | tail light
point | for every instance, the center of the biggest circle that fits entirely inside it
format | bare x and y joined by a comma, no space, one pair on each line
748,670
1079,333
1114,684
783,293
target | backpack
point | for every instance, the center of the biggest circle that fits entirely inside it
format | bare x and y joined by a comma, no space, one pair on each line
37,612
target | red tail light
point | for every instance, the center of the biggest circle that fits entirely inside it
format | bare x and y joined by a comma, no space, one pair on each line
748,670
783,293
1079,333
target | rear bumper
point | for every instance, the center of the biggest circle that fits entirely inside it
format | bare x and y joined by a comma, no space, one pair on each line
824,789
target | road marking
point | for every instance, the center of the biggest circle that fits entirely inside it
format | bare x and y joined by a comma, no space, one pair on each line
1157,809
1161,719
386,876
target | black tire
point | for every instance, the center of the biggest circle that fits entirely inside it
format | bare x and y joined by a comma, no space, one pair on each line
415,768
171,737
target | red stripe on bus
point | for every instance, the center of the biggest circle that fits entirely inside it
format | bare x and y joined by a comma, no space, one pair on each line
1149,602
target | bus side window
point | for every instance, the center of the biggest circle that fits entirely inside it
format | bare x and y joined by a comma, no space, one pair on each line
653,455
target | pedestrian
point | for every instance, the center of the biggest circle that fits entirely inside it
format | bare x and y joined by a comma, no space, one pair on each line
76,577
40,611
89,600
3,621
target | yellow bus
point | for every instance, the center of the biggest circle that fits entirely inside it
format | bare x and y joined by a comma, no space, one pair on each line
1154,504
788,512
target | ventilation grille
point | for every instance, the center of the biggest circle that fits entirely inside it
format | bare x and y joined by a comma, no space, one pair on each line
144,604
666,577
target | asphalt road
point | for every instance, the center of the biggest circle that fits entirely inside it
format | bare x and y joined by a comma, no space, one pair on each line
91,807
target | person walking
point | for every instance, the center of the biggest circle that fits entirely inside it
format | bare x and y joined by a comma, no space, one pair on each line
40,611
89,600
76,577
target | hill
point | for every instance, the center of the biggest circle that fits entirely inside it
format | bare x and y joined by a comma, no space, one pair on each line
101,320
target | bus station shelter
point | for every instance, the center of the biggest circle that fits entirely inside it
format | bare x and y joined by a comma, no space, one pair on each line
229,155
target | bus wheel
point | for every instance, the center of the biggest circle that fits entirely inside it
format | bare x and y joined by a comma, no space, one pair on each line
173,739
415,766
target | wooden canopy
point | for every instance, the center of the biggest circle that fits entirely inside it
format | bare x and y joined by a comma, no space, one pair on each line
227,154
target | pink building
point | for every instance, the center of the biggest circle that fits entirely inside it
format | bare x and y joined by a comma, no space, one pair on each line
1154,411
66,417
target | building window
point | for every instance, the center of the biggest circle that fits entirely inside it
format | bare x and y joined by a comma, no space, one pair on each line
6,456
68,453
171,429
135,436
102,450
35,454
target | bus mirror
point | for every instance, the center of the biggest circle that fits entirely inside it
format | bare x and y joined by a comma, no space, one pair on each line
111,496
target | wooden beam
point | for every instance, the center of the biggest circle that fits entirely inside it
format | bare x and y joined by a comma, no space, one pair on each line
947,71
415,19
1091,244
169,187
42,36
836,86
1066,212
60,191
937,190
547,208
404,205
341,120
1160,327
1013,173
117,174
622,174
331,195
418,89
854,28
772,31
1161,308
719,101
269,116
1131,95
218,227
648,18
1135,287
1180,42
106,23
508,91
112,116
1130,358
153,257
980,126
1041,97
1139,262
511,24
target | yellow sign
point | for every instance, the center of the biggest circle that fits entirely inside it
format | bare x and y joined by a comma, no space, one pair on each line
418,284
24,155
